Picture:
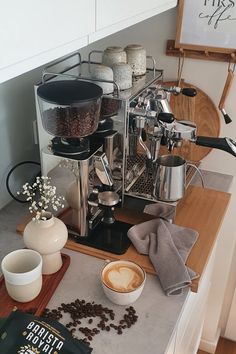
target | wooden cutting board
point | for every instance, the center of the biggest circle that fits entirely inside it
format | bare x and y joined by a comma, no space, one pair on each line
199,109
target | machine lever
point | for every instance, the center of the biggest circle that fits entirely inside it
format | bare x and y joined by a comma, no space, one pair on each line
103,169
166,117
190,92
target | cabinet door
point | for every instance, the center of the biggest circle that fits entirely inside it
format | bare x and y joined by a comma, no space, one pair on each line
30,29
111,12
171,347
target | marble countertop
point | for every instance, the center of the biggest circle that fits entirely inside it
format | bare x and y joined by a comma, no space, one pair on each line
157,313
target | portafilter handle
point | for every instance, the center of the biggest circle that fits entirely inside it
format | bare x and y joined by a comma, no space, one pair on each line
225,144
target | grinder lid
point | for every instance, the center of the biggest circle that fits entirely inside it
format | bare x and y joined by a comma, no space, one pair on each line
66,92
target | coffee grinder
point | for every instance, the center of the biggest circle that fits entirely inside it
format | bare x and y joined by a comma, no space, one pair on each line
78,165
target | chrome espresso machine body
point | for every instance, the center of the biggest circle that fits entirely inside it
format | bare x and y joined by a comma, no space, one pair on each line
118,158
93,179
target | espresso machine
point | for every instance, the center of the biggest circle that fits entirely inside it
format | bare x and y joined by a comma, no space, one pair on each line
151,126
101,150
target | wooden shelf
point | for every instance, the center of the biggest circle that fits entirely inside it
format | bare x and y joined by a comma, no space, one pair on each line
171,50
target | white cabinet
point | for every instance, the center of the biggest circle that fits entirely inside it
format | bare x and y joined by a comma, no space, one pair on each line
33,33
111,12
113,16
189,328
171,347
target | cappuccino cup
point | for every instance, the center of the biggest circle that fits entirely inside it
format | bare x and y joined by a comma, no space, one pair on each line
22,271
123,281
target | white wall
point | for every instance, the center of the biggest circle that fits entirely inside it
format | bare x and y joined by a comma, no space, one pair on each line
17,111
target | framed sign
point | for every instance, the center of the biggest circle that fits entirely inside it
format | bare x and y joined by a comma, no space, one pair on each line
207,25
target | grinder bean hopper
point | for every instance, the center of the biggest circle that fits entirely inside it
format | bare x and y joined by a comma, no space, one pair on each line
70,111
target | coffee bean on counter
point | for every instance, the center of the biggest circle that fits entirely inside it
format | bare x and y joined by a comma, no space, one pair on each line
80,309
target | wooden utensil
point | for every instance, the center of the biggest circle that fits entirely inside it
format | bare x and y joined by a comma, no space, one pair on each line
228,84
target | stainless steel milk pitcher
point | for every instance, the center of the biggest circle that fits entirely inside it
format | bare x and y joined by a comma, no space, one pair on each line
170,178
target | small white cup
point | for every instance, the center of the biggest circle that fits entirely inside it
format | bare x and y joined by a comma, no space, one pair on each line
122,75
136,58
22,270
102,72
113,55
115,294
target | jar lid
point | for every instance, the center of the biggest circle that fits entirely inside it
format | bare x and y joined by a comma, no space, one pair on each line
66,92
134,47
114,49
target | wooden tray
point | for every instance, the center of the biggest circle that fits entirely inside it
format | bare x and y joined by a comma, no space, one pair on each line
50,283
201,209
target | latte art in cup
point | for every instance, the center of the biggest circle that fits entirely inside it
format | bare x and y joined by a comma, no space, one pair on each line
123,281
123,277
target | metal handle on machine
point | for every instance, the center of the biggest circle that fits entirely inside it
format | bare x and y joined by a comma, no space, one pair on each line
45,73
153,63
102,169
90,54
45,69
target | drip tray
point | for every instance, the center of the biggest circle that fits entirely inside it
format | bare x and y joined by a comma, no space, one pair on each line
111,238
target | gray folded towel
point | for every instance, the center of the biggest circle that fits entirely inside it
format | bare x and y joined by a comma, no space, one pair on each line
168,247
161,210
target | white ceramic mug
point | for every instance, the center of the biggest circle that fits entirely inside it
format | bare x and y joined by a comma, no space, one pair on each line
113,55
136,58
102,72
123,281
122,75
22,270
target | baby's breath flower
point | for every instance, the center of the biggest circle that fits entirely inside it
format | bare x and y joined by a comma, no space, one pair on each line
42,195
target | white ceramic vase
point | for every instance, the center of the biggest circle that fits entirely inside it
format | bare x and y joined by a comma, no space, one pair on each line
47,237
